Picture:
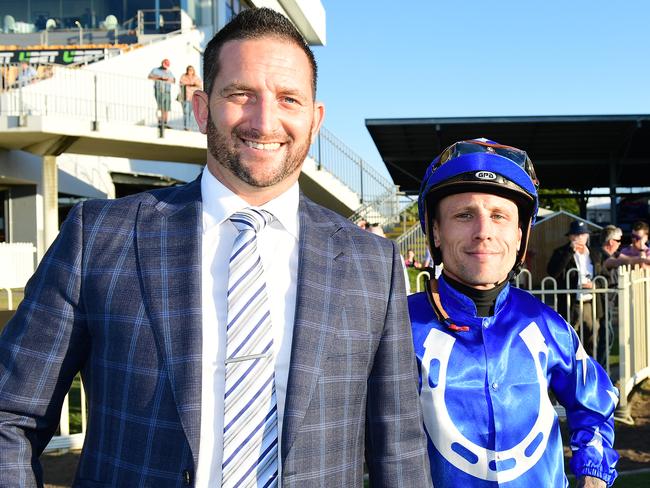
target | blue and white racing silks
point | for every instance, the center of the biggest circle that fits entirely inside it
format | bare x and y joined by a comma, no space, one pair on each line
484,394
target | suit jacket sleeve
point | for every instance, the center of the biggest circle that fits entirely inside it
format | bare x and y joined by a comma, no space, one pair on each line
561,258
41,350
395,440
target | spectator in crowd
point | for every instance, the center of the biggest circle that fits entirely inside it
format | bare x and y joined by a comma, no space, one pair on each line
162,89
614,257
606,257
189,83
488,353
27,75
576,255
410,261
639,245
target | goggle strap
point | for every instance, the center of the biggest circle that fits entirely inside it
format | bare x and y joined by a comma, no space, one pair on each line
442,315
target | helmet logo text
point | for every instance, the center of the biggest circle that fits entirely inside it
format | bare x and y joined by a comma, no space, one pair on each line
485,175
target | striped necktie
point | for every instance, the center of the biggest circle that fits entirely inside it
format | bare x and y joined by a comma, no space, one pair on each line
250,444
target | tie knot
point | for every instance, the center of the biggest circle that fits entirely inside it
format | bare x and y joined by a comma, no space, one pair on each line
251,219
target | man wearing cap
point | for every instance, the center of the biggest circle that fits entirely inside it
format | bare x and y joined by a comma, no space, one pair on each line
575,255
487,352
163,81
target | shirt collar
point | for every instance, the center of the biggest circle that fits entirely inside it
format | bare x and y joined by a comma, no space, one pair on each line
219,203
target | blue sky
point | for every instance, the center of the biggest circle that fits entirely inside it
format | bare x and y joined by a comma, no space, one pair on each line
394,59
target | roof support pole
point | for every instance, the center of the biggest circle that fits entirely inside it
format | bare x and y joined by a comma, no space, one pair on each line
612,192
582,203
50,200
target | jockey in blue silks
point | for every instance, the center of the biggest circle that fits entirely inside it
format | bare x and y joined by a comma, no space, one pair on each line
488,353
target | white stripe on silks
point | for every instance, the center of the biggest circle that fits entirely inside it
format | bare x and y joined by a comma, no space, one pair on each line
250,436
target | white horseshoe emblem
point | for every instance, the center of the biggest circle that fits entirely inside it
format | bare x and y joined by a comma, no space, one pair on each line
444,433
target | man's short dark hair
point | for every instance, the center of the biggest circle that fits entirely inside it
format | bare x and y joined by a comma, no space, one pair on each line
641,225
254,23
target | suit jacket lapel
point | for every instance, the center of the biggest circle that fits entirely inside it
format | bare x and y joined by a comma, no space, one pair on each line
169,264
319,248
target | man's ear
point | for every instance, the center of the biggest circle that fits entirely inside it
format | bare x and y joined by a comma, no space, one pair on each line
435,231
201,108
319,115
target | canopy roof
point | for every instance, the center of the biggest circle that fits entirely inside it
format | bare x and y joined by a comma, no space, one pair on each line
575,152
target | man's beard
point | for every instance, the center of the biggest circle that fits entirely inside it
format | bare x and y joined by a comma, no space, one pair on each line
222,150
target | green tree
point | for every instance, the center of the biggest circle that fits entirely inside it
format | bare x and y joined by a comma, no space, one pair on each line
569,204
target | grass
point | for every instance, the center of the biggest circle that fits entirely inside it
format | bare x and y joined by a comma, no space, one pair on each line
412,273
75,406
17,297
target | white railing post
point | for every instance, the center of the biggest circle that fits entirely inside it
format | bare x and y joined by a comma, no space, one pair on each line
646,314
64,425
624,365
420,276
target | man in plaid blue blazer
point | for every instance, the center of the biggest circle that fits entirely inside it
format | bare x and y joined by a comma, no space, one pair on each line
120,296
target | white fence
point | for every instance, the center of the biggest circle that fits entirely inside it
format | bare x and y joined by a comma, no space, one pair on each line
16,267
634,331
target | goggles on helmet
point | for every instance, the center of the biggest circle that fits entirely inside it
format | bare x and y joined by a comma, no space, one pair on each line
517,156
485,163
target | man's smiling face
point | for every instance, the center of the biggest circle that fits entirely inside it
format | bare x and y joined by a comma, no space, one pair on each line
478,235
261,116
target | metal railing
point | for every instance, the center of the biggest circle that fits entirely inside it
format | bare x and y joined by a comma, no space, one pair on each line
333,155
84,94
561,299
383,211
414,239
158,21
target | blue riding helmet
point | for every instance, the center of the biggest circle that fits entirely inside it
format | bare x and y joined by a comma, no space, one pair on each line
484,166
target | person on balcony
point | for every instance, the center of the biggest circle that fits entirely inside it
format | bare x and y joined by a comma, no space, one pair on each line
162,89
487,352
27,75
189,83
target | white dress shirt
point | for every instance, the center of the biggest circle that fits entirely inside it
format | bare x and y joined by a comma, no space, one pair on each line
585,272
278,247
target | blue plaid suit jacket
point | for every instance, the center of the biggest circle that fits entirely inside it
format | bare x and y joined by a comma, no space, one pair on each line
117,297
